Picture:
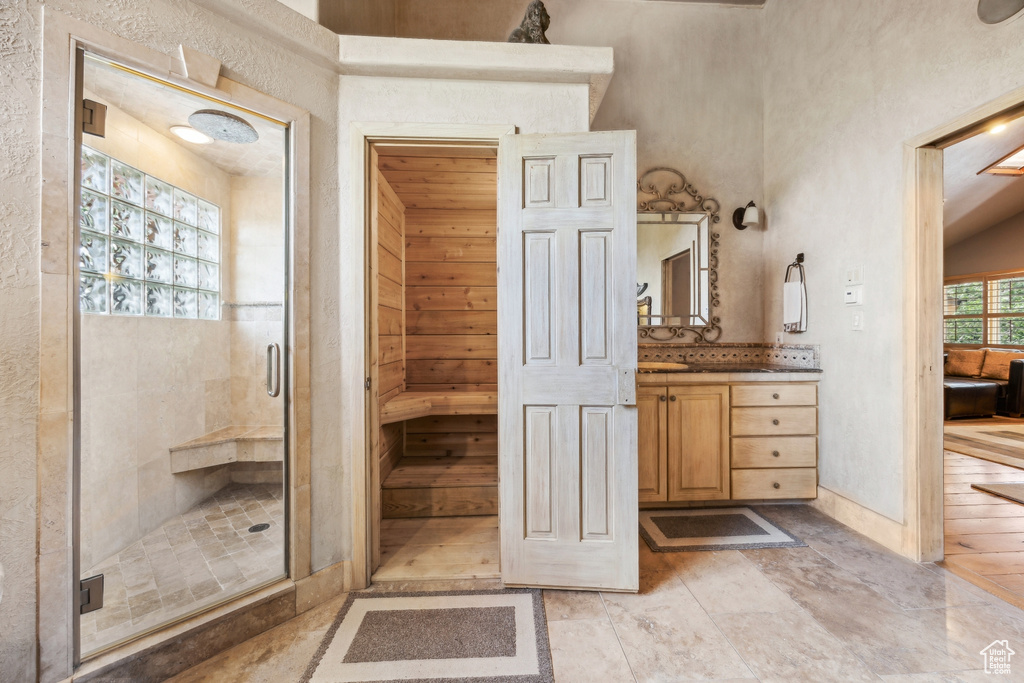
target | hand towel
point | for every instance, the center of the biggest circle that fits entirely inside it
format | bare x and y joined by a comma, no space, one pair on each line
792,297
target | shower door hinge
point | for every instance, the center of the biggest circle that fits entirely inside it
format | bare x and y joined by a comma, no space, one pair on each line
94,118
367,383
90,594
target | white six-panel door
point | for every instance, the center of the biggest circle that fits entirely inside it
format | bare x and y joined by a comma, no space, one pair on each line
567,427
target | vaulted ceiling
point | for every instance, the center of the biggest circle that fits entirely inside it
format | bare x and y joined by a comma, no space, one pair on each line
976,201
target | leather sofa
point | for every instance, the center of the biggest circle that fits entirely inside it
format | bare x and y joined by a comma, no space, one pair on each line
984,396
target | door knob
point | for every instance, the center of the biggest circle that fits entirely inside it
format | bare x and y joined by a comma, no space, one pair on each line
775,422
775,396
672,398
775,454
775,485
661,398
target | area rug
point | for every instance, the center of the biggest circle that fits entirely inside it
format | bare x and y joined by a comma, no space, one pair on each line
1011,491
668,531
996,442
495,636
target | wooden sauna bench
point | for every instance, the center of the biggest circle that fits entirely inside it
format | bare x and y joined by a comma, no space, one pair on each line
412,404
440,485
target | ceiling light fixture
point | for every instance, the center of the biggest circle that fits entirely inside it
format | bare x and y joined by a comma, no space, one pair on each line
221,125
998,11
997,129
190,134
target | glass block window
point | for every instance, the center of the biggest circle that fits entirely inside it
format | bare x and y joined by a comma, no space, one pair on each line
984,310
146,247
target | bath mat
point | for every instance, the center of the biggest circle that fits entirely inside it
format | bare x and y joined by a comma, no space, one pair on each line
494,636
668,531
1010,491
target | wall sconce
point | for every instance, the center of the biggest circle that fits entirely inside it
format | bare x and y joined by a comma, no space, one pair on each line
745,216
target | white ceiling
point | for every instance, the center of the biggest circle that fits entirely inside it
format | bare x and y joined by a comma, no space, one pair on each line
976,202
160,107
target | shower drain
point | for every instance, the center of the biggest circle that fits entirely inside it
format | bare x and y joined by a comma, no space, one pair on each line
255,528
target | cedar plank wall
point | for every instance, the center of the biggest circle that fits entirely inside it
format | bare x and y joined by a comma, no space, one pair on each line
390,315
451,293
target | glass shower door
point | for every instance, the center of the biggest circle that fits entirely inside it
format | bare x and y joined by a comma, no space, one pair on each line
181,327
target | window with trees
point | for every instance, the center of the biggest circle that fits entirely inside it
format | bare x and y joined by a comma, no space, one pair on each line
984,310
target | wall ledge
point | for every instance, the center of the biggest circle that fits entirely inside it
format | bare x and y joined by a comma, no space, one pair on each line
480,61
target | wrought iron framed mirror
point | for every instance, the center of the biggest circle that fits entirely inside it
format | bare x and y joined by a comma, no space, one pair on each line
677,259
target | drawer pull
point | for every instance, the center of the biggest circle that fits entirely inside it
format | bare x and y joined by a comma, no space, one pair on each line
672,398
662,398
775,454
775,396
775,422
775,485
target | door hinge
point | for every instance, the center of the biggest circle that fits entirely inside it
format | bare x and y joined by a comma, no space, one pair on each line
90,594
367,383
94,118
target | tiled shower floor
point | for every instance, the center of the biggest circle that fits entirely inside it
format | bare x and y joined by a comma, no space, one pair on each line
193,560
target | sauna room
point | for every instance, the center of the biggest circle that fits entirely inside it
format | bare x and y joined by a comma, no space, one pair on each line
433,257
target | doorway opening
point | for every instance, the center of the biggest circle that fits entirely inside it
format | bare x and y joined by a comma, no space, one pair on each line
181,333
983,349
432,211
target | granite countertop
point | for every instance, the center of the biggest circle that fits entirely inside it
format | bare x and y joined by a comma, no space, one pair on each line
730,368
742,367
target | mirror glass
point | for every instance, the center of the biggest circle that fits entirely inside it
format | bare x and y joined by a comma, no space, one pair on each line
673,269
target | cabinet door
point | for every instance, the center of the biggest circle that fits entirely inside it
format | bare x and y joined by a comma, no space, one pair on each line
698,443
652,415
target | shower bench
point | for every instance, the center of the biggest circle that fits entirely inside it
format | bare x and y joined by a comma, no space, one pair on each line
228,445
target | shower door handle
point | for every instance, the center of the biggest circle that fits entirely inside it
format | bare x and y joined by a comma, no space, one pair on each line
273,370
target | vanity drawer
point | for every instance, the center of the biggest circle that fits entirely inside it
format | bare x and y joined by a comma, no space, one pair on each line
793,482
775,395
774,421
774,451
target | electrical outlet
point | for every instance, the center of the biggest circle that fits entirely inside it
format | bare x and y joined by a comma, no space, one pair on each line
778,338
857,322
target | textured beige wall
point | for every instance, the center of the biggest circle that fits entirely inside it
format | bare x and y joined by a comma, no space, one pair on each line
20,187
845,85
1000,247
687,79
359,17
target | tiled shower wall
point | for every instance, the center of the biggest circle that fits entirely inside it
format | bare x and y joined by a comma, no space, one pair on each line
152,383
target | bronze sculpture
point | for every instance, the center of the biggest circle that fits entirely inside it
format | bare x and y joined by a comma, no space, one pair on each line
534,23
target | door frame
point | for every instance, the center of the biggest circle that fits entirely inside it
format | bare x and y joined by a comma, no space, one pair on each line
922,532
56,444
363,135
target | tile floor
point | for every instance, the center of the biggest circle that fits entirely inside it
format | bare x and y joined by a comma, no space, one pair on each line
192,560
843,608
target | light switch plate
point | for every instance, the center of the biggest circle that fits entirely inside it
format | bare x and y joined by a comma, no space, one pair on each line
857,322
855,275
853,295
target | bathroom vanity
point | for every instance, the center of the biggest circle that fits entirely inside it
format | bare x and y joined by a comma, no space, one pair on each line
716,421
710,433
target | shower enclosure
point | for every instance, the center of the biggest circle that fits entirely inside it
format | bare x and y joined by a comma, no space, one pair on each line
180,338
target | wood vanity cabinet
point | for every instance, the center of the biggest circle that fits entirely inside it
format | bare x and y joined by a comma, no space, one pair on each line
738,441
683,443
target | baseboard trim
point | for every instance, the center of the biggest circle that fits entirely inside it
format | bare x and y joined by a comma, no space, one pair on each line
878,528
323,585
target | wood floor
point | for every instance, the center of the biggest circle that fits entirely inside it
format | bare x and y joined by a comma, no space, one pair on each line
984,534
429,548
